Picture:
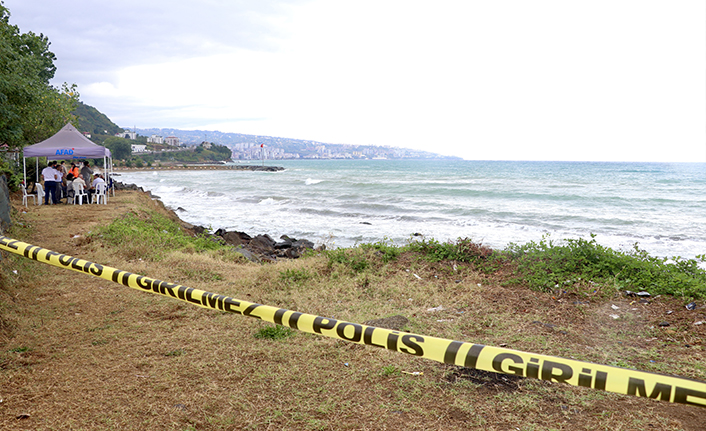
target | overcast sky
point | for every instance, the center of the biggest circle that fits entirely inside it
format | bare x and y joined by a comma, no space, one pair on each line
614,80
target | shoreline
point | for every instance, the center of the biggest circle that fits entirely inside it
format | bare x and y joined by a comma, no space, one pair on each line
480,204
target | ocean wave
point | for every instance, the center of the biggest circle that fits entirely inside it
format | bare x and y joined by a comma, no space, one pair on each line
658,206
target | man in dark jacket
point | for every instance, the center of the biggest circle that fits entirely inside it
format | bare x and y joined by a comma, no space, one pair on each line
86,172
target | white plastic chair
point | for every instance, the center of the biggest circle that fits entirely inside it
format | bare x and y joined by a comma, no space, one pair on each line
40,193
26,195
79,193
100,194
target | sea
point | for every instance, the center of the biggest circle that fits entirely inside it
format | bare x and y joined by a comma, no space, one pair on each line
661,207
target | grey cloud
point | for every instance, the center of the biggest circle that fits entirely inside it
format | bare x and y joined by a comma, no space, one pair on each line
92,38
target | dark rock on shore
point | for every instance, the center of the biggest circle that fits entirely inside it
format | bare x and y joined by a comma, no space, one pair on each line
120,186
263,246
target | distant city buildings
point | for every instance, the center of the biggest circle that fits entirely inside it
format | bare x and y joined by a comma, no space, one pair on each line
139,148
154,139
257,151
256,147
127,135
254,151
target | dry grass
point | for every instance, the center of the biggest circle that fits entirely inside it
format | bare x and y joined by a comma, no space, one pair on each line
78,352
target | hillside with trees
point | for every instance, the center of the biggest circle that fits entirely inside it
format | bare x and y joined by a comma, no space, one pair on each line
95,122
206,152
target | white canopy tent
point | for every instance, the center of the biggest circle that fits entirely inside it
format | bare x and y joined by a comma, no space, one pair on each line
68,143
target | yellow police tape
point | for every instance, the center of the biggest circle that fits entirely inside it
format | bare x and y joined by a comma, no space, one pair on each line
578,373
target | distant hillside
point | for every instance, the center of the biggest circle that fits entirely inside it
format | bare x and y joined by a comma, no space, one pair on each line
195,137
247,147
95,122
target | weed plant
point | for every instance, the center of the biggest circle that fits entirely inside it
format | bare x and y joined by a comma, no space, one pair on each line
463,250
277,332
353,259
383,249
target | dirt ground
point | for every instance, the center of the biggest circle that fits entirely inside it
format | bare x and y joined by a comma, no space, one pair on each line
81,353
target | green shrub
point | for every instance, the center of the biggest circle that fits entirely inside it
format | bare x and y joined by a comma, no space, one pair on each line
384,249
463,250
545,265
351,258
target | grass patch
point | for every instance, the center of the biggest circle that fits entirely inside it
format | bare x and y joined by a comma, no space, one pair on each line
295,275
277,332
150,236
390,370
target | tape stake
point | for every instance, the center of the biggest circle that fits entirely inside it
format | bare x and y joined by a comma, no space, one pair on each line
608,378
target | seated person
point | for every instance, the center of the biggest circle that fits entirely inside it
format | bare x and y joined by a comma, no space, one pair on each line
79,180
97,180
74,170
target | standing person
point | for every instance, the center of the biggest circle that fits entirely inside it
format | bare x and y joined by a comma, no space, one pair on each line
69,187
60,186
65,172
86,172
63,168
49,175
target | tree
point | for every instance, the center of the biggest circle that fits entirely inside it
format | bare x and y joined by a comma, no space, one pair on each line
31,109
120,148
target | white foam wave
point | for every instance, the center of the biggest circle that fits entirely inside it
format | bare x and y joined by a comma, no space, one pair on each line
489,202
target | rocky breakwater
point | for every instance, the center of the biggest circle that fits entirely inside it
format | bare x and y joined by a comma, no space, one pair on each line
202,167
